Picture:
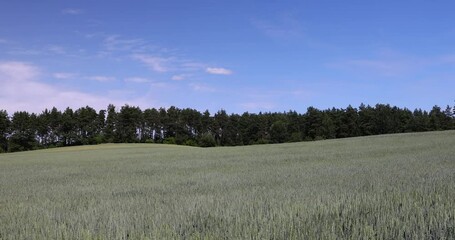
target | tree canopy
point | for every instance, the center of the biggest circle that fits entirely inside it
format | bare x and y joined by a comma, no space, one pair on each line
53,128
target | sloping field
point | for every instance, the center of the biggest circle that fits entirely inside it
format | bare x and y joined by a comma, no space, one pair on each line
382,187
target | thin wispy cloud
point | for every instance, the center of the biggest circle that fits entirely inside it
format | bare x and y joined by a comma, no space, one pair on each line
159,85
218,71
43,50
137,80
389,66
191,66
101,78
35,96
12,71
64,75
55,49
117,43
25,52
72,11
156,64
179,77
286,26
201,87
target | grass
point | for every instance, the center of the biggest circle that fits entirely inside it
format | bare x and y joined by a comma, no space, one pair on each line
382,187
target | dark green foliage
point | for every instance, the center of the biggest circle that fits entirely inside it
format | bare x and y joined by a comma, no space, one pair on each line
207,140
68,128
109,129
4,130
366,117
313,123
278,132
128,125
23,132
190,127
151,131
86,125
169,140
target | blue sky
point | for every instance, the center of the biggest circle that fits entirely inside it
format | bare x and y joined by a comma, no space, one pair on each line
233,55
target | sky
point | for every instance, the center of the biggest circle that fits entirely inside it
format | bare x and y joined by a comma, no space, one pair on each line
240,56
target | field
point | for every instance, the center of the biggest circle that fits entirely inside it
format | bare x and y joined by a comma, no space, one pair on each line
382,187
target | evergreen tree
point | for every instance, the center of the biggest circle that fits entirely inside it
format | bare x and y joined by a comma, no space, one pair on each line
328,126
111,119
220,127
43,128
206,122
348,123
86,125
295,126
100,125
128,125
421,121
68,128
235,133
278,132
207,140
437,119
190,121
448,122
4,130
55,125
313,124
164,126
366,120
23,132
152,125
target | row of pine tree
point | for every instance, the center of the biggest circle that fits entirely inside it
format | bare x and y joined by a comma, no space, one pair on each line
54,128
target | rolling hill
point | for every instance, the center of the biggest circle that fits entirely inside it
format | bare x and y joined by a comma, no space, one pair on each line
398,186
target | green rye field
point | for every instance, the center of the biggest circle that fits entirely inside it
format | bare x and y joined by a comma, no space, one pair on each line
381,187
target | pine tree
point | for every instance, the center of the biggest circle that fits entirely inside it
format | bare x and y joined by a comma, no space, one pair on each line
278,132
4,130
23,132
109,129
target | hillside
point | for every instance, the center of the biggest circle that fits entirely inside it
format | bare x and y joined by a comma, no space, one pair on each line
398,186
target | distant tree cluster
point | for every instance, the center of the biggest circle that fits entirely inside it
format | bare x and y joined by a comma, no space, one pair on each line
54,128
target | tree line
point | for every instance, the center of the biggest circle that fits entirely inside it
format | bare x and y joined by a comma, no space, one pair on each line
54,128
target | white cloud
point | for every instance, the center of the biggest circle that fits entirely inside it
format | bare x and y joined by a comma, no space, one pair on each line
16,72
3,41
157,64
219,71
115,43
72,11
179,77
201,87
137,80
22,91
159,85
56,49
192,66
20,51
101,78
64,75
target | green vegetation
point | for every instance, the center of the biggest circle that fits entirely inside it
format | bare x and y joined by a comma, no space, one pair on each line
53,128
379,187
